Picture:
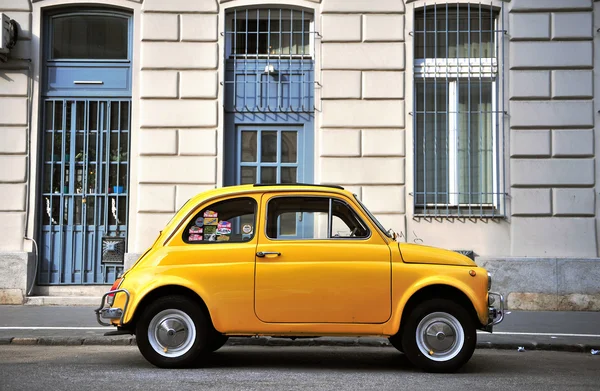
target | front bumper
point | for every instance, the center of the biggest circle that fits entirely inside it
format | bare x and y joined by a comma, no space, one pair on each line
112,313
495,314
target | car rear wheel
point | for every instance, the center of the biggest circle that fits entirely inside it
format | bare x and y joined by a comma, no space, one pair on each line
172,332
439,336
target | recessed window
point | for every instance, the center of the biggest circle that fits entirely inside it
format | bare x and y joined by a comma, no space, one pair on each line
89,37
269,32
457,119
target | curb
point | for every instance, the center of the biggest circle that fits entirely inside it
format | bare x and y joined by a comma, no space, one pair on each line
274,342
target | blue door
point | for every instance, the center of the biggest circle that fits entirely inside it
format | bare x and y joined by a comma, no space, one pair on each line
269,96
85,147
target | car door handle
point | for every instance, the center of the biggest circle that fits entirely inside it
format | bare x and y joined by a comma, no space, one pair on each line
262,254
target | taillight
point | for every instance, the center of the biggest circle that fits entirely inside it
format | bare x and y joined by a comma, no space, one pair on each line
111,297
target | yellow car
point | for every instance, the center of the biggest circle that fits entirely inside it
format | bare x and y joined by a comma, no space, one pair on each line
296,261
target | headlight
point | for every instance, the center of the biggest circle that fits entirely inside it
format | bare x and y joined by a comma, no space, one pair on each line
489,280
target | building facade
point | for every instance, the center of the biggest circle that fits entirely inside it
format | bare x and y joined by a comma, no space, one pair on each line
463,124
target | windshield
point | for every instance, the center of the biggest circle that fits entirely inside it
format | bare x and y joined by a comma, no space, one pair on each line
377,223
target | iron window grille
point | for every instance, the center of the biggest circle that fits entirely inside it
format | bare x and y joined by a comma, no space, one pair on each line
458,111
270,60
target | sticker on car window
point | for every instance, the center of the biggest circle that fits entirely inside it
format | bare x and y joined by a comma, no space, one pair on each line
222,238
199,221
195,230
210,213
211,221
211,237
210,230
195,238
247,229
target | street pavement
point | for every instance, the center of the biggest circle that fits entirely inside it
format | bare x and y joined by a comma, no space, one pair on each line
74,368
76,325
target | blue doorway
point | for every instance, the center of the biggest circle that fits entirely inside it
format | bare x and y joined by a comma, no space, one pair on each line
86,128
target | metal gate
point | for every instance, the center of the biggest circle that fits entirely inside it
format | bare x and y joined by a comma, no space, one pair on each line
84,190
269,95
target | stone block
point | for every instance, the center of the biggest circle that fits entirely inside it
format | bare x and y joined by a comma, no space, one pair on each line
178,113
384,28
552,172
341,84
536,275
568,54
13,83
23,20
383,142
531,202
185,192
534,5
383,85
179,55
15,5
12,197
11,231
340,142
158,142
199,27
578,276
368,56
394,221
344,6
179,169
199,84
570,25
14,269
553,236
572,84
156,198
551,114
11,296
14,140
198,142
529,84
573,143
363,113
181,5
574,202
342,28
13,111
159,84
530,143
529,26
147,229
160,27
362,171
12,168
384,199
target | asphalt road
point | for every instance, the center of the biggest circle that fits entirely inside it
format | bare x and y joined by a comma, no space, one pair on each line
288,368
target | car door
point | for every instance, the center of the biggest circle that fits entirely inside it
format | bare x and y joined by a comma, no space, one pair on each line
341,273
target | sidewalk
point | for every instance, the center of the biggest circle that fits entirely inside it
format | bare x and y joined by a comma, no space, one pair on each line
61,325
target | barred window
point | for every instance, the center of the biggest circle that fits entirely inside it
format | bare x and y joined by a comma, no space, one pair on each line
457,111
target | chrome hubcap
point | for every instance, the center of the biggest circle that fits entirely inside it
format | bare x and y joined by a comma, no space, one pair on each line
440,336
172,333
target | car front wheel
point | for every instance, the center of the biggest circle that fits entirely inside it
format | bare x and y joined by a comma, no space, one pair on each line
439,336
172,332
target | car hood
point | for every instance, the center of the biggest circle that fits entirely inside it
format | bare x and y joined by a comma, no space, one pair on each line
415,253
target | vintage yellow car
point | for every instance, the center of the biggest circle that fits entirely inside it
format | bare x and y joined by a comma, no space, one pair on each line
296,261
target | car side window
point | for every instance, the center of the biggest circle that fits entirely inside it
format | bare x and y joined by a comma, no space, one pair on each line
313,218
231,220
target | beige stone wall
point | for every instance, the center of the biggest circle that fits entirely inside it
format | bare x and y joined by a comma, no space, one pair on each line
15,98
361,133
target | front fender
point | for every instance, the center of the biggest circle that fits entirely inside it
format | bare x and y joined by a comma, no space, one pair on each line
476,293
140,283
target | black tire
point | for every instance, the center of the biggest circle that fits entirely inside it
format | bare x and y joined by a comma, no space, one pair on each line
441,352
396,341
216,342
182,341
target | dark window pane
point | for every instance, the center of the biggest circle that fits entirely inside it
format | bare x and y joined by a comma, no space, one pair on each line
248,175
268,149
268,175
288,175
289,147
98,37
249,146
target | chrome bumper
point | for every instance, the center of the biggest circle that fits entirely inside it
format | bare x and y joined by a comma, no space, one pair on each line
495,315
104,312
